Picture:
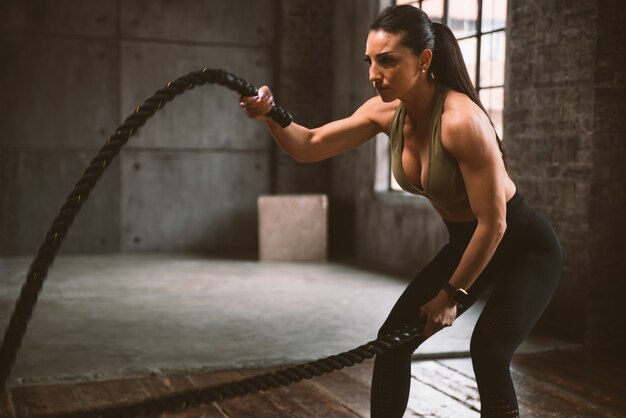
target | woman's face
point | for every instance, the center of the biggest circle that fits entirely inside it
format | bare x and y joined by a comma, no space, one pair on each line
394,68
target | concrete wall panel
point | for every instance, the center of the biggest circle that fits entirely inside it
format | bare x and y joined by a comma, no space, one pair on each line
84,17
191,201
57,91
206,117
36,184
241,22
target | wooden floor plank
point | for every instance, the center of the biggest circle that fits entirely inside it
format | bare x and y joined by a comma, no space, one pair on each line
461,365
259,406
123,391
345,390
583,376
579,366
454,384
361,372
156,387
44,399
93,395
537,399
426,401
178,382
306,400
219,377
611,363
255,405
204,411
548,385
6,405
236,407
561,396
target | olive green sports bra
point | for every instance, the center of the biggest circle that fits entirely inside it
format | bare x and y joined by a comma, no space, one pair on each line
444,182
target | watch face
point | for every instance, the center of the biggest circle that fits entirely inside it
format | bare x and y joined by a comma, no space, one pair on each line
460,296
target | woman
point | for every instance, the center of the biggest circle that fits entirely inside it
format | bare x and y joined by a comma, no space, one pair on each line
444,147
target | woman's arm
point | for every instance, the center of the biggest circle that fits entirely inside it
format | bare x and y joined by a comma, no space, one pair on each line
312,145
469,137
471,140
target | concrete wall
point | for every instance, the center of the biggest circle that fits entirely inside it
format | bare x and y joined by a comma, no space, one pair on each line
72,71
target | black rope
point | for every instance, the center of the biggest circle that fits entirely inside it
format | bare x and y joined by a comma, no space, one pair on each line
284,377
38,269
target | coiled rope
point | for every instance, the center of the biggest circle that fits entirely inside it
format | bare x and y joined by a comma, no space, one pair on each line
38,271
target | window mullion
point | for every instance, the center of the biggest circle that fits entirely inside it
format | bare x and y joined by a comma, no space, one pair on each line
489,32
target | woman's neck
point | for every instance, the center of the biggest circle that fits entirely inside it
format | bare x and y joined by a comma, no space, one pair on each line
418,102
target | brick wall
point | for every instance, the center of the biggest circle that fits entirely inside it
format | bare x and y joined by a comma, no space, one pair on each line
549,131
606,282
565,132
304,85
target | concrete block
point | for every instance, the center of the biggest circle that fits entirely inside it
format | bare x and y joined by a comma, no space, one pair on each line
207,117
191,200
59,17
58,91
36,184
241,22
293,227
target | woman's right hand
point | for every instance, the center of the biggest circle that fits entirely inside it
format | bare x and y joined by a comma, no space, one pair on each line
257,107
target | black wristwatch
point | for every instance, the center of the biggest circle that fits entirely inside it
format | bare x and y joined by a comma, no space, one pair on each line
458,296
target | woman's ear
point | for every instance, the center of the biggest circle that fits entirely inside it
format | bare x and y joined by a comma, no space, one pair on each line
425,59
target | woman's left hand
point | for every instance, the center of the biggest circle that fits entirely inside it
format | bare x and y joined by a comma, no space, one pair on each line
440,312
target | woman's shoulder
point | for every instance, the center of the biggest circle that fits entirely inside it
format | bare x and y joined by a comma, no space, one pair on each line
457,103
378,111
462,119
459,111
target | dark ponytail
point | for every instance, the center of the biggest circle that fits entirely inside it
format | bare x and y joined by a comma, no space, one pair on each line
448,67
417,32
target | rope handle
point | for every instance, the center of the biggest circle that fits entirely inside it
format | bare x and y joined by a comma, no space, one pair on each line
277,113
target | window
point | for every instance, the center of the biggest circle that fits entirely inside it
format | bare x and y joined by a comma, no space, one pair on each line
479,26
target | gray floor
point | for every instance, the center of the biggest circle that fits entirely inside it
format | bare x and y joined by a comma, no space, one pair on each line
127,315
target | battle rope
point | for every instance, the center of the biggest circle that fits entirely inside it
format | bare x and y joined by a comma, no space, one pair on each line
38,269
204,395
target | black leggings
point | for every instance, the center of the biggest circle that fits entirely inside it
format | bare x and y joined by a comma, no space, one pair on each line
524,271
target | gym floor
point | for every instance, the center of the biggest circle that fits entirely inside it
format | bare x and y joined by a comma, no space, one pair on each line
129,318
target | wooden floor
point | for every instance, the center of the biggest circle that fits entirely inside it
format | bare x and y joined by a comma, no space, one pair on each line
554,384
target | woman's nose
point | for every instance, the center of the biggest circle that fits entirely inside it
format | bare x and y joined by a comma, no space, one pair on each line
374,75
